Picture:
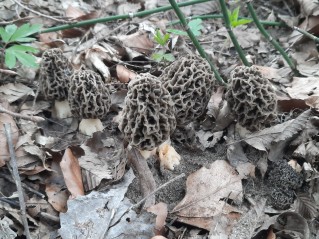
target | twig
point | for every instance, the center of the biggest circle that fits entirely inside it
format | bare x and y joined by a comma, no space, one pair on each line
195,41
216,16
146,179
16,176
158,189
23,185
307,34
231,33
120,17
268,37
8,72
39,13
17,20
27,117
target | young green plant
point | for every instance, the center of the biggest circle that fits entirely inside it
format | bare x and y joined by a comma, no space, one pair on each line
12,47
233,17
162,40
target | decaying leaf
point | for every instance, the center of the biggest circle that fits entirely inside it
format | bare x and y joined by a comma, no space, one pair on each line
72,173
206,191
160,210
306,206
123,74
4,152
57,197
304,87
138,41
13,92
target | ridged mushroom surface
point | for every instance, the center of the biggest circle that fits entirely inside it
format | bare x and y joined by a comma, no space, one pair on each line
89,97
55,71
148,115
251,98
190,82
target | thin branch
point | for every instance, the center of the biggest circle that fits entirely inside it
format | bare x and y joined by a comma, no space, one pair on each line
231,33
39,13
270,38
195,41
120,17
15,174
16,20
307,34
26,117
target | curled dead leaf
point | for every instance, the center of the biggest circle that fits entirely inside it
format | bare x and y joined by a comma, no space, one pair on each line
123,74
72,173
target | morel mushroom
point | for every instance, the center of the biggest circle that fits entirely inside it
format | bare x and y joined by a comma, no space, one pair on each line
55,70
148,119
190,82
251,98
89,100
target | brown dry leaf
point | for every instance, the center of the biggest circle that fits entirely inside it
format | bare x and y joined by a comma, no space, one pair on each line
207,190
72,173
158,237
214,104
138,41
303,87
37,205
313,102
126,8
73,12
57,196
309,7
4,152
12,92
51,40
160,210
123,74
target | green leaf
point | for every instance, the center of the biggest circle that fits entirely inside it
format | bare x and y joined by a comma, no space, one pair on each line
19,52
177,32
26,59
10,59
235,14
161,39
7,32
26,39
24,31
168,57
23,48
158,56
195,26
241,22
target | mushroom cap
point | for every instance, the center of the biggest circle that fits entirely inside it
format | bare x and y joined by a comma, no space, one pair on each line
89,97
55,70
251,97
148,115
190,82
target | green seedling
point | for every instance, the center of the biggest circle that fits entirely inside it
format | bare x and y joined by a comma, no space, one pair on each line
233,17
162,40
195,26
12,48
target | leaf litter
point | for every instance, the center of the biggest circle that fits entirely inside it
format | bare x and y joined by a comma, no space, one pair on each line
72,182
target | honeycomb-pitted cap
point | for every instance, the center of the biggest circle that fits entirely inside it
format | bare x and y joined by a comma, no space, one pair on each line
55,70
148,115
89,97
251,98
190,82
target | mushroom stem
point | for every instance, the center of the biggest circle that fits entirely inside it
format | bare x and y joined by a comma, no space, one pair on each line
89,126
62,109
168,156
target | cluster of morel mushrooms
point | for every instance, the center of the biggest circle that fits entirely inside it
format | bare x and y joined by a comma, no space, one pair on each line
154,106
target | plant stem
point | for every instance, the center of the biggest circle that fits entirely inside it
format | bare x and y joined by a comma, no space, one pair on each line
119,17
215,16
194,40
270,38
231,33
307,34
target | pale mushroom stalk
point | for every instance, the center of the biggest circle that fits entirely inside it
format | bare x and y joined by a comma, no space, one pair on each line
90,100
55,71
148,119
61,109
